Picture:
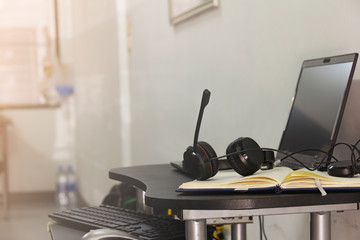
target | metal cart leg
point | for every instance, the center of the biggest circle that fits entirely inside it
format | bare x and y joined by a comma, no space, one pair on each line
238,231
196,229
320,228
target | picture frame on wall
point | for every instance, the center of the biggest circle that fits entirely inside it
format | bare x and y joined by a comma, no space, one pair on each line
180,10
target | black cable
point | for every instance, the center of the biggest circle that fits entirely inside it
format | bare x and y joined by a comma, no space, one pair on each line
287,155
358,141
262,227
291,155
357,149
355,160
327,155
353,148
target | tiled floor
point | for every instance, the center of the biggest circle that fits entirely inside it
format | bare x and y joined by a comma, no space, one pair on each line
27,218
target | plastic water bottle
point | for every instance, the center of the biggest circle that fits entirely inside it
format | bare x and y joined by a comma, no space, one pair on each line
71,187
61,192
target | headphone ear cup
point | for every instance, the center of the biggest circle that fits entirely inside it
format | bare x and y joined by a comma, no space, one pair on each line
200,165
211,164
249,158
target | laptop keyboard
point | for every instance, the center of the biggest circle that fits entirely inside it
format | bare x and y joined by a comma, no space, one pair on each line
294,165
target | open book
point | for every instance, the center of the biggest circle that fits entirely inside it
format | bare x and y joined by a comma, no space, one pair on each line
277,179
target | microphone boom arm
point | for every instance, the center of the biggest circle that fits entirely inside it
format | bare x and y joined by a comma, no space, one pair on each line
204,102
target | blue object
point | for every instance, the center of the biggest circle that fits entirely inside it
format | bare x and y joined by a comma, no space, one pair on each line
64,91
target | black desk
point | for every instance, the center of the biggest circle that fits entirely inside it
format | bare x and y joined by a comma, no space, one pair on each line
159,182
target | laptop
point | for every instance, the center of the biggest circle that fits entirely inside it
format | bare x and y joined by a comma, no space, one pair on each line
317,110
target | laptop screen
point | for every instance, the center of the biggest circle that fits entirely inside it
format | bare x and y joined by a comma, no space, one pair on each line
318,105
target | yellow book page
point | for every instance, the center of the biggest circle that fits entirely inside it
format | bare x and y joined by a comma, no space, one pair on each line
306,179
229,179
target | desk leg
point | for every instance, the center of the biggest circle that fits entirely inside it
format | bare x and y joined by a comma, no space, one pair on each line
196,229
320,228
140,202
238,231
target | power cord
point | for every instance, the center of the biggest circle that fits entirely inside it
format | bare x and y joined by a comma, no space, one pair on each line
327,155
262,227
327,158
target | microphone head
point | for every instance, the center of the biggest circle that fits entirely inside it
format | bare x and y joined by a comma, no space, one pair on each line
205,98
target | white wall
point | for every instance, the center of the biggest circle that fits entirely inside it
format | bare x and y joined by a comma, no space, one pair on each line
30,145
95,69
248,54
38,141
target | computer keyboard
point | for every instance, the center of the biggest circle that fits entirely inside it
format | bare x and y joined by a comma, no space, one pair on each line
139,225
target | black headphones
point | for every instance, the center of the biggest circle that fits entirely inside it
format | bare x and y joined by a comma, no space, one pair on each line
244,155
202,163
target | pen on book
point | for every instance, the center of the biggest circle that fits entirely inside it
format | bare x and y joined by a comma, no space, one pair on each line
321,189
